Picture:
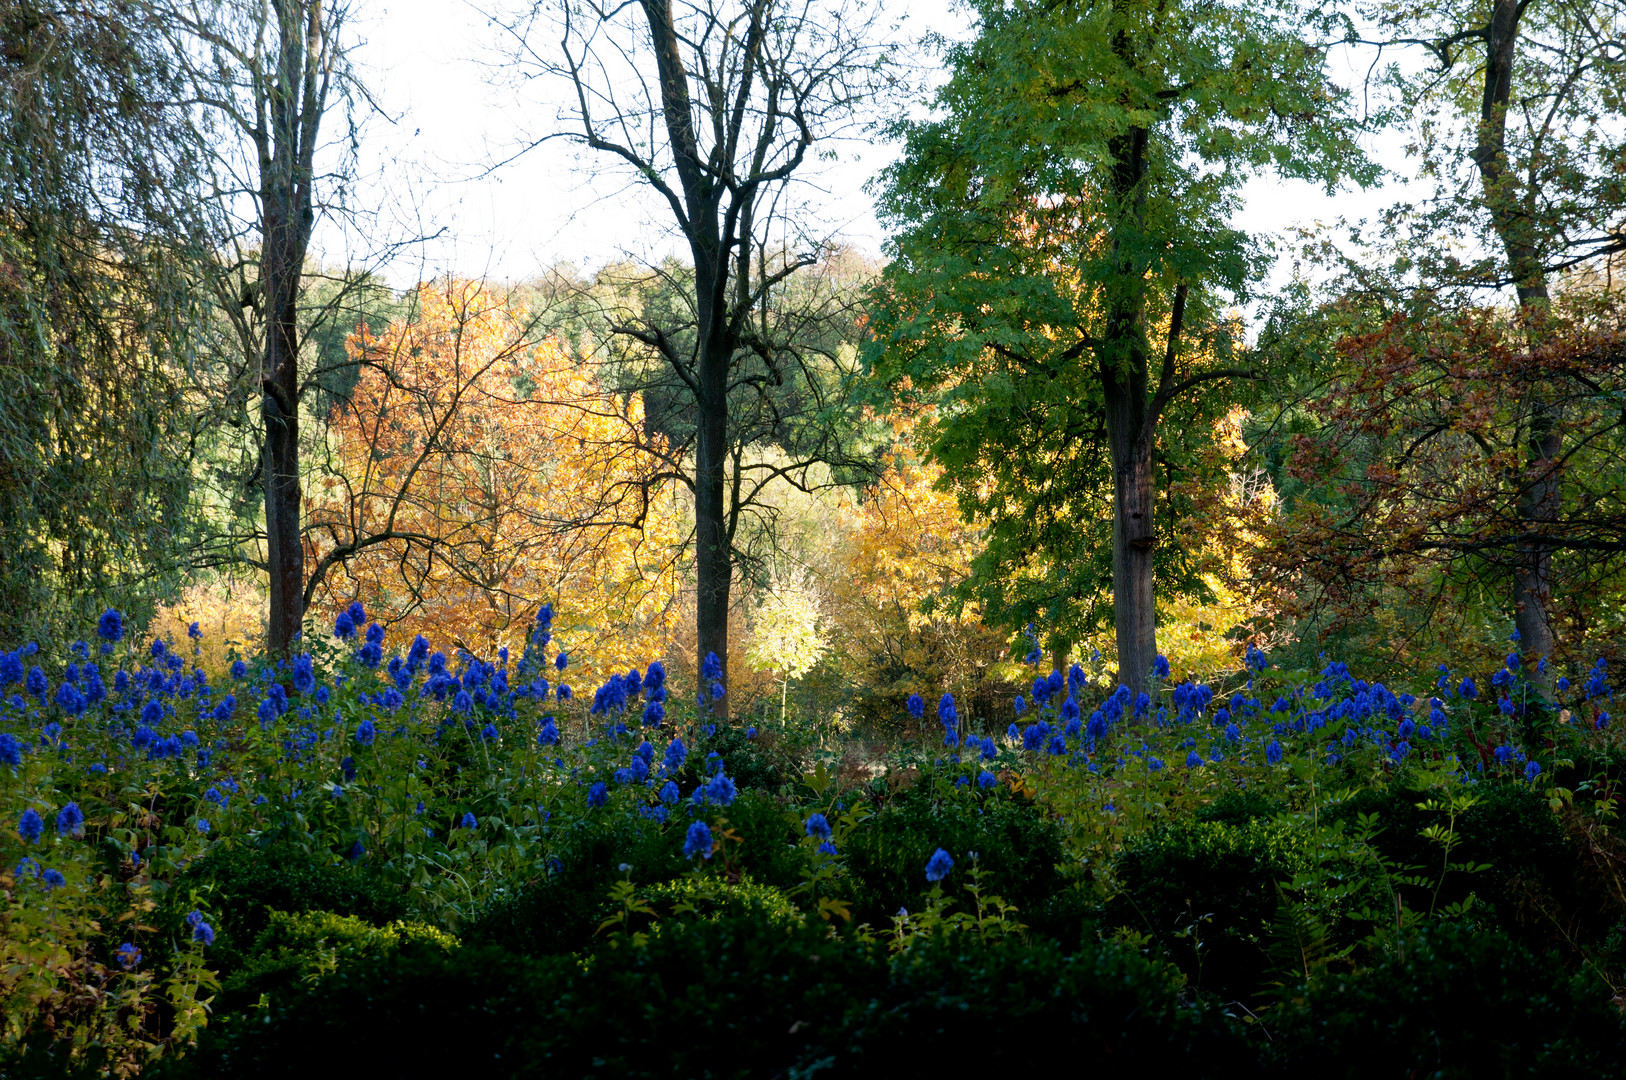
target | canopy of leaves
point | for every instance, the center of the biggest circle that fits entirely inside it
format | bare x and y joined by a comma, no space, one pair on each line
1017,240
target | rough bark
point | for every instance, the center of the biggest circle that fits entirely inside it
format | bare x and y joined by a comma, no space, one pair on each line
290,115
1122,356
1507,203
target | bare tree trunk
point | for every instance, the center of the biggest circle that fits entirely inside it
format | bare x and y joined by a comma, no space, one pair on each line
714,562
1133,601
280,408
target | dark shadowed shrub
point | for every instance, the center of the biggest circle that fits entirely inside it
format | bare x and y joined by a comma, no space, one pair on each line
728,998
1016,843
955,1006
1206,891
1454,1002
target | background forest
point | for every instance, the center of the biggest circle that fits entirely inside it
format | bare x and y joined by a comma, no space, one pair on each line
1080,455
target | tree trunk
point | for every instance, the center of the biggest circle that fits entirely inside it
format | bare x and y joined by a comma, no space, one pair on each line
1123,359
713,555
280,469
1134,606
1510,217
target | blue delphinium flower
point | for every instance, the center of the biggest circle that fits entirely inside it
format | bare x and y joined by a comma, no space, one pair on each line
70,821
304,674
939,865
711,667
489,733
53,879
916,706
697,841
1160,667
203,826
1194,760
1468,690
463,703
344,627
721,790
204,933
598,795
986,779
110,627
549,733
10,752
468,821
827,848
128,956
561,662
1021,704
30,826
676,753
669,793
1532,770
818,825
366,733
36,683
989,750
1273,752
238,669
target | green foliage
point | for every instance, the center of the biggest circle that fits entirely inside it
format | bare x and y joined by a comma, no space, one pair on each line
1527,880
245,888
296,949
100,244
1017,846
1451,1001
1207,892
1072,189
731,997
952,1005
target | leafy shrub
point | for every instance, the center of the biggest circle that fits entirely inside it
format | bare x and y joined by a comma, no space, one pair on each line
768,835
749,762
559,911
240,886
951,1005
1451,1002
1509,830
1206,891
297,948
1240,807
1016,843
734,997
709,898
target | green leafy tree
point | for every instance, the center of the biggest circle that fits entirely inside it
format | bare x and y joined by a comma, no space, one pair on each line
100,233
1068,201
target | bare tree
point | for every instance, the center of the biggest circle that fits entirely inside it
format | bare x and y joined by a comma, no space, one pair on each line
713,107
264,77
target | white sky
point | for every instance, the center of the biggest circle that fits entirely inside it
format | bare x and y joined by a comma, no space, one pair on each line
423,61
